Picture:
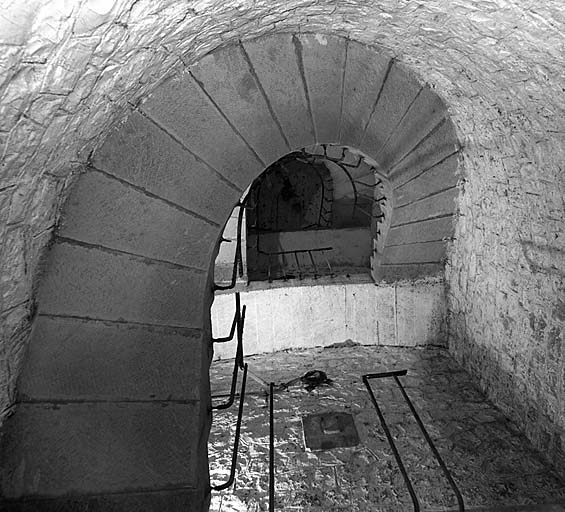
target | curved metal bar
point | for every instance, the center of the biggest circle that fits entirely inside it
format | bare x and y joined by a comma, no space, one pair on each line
238,260
231,478
338,162
291,251
390,439
440,461
231,398
239,351
234,324
238,363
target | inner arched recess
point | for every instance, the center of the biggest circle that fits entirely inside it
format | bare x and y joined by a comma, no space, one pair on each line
117,369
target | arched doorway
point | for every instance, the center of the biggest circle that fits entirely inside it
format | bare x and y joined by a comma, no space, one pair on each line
117,369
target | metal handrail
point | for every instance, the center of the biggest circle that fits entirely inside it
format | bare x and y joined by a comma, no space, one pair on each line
290,251
295,252
238,326
395,375
238,259
231,478
236,321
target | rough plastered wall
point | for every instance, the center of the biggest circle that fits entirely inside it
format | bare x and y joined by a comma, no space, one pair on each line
507,267
69,70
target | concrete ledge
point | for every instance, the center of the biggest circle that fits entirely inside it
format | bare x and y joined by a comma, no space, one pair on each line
302,316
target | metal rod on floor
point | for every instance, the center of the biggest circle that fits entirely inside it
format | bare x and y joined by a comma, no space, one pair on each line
271,450
385,374
231,478
432,446
390,438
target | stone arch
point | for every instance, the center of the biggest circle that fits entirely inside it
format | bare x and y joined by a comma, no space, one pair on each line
130,264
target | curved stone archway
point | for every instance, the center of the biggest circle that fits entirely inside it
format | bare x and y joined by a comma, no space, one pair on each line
123,330
71,71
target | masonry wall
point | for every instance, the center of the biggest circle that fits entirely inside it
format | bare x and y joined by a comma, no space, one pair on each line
322,312
70,71
506,275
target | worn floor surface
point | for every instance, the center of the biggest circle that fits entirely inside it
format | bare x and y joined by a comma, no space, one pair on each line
492,463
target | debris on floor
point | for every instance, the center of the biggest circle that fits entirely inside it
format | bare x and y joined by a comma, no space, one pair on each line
311,380
491,462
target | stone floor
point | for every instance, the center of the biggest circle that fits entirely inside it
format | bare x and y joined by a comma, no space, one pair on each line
493,464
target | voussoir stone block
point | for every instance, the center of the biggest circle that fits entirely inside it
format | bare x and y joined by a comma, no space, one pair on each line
422,116
141,153
276,64
227,77
365,71
441,176
441,204
103,211
421,252
323,58
398,92
424,231
148,501
56,449
184,110
433,149
92,360
93,283
391,272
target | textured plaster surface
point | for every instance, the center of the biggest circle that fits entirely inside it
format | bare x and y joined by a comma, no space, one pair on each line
319,312
493,464
69,72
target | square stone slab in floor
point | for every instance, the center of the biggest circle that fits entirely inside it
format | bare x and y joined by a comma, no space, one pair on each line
329,430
